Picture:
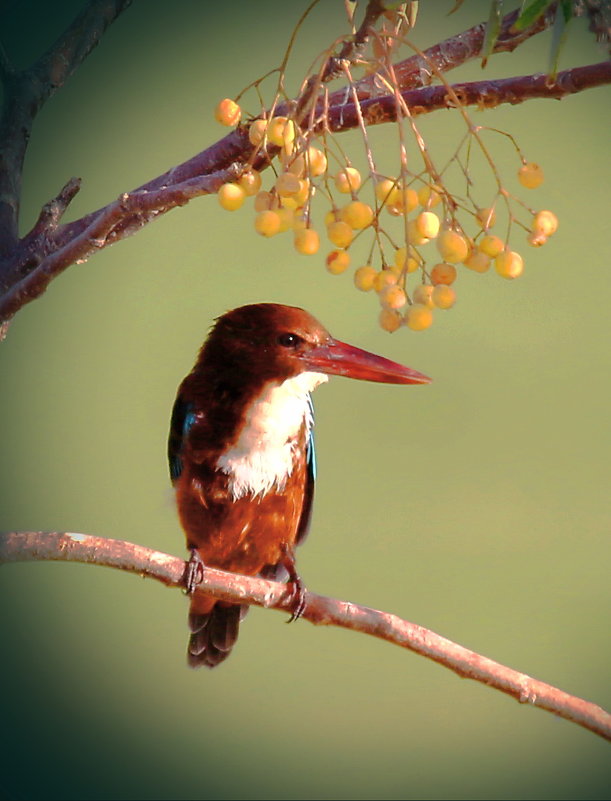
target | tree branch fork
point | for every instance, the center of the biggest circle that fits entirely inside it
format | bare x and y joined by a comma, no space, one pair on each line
28,265
319,609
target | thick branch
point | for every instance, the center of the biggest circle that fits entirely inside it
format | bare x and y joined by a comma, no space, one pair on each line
25,93
40,261
484,94
49,248
170,570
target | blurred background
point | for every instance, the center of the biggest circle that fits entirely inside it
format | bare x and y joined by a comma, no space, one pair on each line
478,506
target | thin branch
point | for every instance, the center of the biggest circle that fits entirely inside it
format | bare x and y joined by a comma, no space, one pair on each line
121,218
171,571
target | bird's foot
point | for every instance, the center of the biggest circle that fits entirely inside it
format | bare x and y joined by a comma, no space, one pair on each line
194,573
298,591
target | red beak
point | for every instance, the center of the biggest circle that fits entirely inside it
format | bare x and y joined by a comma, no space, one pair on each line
338,358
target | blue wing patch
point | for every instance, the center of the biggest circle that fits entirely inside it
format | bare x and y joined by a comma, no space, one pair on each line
310,450
183,417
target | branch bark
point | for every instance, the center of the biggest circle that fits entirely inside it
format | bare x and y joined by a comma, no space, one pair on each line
171,571
27,266
26,91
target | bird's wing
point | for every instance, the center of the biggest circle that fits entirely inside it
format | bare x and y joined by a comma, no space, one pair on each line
183,418
308,495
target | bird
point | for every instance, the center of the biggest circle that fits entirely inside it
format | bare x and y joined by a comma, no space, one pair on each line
241,452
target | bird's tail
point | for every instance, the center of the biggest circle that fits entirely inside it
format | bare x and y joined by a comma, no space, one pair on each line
213,633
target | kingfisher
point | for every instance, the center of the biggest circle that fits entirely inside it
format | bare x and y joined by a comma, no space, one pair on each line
241,452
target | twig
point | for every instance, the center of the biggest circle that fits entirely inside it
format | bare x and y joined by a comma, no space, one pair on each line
171,571
121,218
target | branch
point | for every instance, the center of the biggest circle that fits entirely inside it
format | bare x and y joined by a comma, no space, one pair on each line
76,241
29,265
484,94
121,218
26,91
419,70
171,571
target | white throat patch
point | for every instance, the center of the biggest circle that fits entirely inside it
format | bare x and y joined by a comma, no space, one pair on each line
262,456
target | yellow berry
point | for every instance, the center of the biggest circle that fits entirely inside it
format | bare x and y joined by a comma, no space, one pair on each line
250,182
285,154
333,215
443,297
340,233
295,165
268,223
231,196
418,317
286,219
545,222
306,241
265,201
453,246
338,261
348,180
428,197
357,214
427,223
256,132
389,320
403,260
384,278
509,264
423,295
530,175
364,278
304,191
478,261
491,245
486,217
317,161
414,236
300,220
228,112
443,274
393,297
407,200
536,239
387,192
287,184
281,131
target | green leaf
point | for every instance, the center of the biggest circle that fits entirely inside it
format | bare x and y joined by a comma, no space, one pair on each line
531,14
559,35
493,27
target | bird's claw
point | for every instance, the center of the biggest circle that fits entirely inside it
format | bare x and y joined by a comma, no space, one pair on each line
194,574
298,592
297,599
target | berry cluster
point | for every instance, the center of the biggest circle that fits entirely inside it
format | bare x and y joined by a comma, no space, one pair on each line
440,232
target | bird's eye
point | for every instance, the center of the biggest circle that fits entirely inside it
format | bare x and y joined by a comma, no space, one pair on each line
289,340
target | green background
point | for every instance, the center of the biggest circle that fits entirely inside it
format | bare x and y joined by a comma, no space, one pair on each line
477,506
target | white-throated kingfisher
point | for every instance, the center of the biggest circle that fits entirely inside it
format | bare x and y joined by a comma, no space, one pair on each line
241,451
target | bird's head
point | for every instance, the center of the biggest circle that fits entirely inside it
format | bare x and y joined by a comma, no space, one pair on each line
276,342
